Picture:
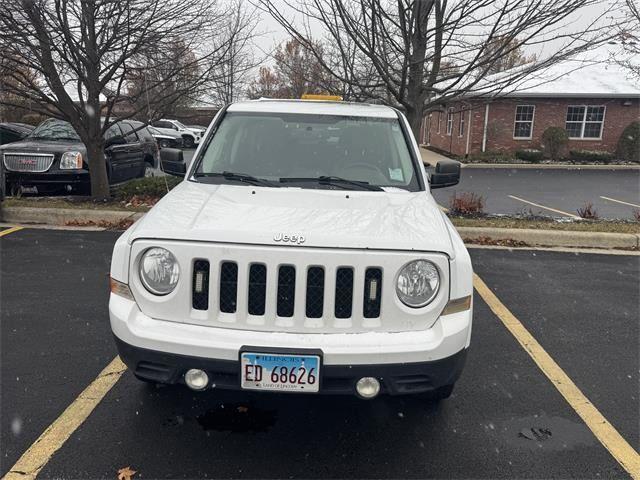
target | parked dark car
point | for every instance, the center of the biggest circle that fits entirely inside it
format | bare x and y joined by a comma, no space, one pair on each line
52,158
12,132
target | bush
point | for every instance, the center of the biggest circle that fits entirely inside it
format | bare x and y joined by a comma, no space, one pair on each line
629,143
530,155
554,141
588,212
590,156
153,187
489,157
466,204
636,214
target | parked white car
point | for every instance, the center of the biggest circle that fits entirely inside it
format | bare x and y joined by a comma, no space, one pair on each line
190,136
302,253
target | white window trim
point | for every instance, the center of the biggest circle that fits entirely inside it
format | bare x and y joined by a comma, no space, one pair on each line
449,123
533,119
583,122
461,123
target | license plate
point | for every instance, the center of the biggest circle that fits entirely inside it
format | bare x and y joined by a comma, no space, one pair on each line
279,372
29,189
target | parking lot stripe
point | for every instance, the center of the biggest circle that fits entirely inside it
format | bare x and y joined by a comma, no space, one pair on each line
40,452
620,201
546,208
606,433
10,230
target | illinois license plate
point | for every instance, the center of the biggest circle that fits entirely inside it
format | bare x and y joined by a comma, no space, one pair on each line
280,372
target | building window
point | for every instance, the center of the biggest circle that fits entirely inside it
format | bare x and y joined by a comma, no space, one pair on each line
439,120
523,126
461,125
449,121
585,121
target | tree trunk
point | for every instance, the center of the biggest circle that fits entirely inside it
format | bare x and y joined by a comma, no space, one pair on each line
414,117
97,169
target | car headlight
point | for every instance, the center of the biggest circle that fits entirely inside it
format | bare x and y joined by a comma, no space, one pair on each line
417,283
71,160
159,271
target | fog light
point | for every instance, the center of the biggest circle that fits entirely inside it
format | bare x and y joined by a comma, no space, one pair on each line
368,387
196,379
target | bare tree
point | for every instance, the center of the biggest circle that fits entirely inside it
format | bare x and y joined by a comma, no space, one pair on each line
513,58
629,39
406,43
233,75
93,58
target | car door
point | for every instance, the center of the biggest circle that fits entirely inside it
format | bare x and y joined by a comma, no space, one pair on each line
135,151
116,154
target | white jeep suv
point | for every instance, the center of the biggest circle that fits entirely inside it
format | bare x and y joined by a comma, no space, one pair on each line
304,253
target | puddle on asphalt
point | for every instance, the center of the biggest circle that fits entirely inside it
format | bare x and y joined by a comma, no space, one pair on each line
238,418
540,431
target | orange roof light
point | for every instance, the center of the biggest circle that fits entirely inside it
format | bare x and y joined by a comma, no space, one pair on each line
313,96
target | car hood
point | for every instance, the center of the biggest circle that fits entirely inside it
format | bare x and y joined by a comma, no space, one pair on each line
397,220
27,145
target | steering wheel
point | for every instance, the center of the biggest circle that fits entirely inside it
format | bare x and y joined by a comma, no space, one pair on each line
379,177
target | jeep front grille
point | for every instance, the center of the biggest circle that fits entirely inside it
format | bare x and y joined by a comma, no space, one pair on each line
257,286
28,162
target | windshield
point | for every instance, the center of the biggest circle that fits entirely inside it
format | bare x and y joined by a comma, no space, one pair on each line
54,130
297,148
181,125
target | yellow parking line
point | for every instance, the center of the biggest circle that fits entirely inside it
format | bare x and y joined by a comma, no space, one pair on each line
41,451
546,208
620,201
606,433
10,230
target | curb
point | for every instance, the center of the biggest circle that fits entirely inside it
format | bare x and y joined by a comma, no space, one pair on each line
530,237
551,238
64,216
549,166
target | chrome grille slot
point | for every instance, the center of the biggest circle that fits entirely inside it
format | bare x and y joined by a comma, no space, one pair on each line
200,296
228,287
344,292
28,162
286,290
315,292
372,293
257,289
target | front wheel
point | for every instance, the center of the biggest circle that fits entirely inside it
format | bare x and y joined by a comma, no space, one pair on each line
438,394
188,141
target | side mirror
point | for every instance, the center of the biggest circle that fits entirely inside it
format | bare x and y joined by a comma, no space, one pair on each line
173,162
447,174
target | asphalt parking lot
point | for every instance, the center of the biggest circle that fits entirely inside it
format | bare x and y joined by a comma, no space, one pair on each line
552,192
506,419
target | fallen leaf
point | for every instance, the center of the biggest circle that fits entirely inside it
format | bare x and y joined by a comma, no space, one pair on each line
242,409
126,473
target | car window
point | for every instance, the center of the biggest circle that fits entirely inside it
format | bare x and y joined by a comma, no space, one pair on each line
129,135
274,146
53,129
112,131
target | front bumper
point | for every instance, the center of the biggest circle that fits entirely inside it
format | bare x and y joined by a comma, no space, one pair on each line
49,180
395,378
407,362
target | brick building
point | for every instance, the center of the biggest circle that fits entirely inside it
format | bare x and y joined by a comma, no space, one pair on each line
594,103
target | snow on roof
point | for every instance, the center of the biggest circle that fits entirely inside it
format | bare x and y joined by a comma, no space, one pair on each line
595,73
317,107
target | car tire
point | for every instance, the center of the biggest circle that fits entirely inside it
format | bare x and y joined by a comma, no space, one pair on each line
441,393
165,144
149,171
188,141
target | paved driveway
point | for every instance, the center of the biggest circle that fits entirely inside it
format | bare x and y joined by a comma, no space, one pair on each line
505,419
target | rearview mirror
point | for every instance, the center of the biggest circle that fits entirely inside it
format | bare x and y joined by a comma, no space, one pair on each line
173,162
447,174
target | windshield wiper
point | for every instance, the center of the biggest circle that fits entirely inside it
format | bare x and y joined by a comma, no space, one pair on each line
333,180
240,177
